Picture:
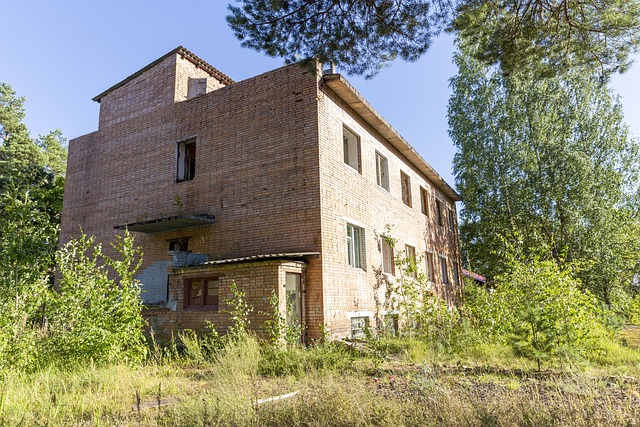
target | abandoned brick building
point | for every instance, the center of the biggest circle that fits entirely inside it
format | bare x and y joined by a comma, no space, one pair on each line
287,182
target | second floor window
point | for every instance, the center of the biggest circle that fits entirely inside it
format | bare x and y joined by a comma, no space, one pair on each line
186,167
382,171
351,148
424,201
405,181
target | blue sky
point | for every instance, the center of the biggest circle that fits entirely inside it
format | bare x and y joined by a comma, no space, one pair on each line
59,55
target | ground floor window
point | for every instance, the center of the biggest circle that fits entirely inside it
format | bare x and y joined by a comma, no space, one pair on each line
202,293
359,327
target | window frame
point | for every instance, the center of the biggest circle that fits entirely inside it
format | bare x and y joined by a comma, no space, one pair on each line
424,201
456,275
410,254
429,260
355,246
388,261
363,329
444,269
451,220
203,305
439,219
382,171
186,163
351,157
405,186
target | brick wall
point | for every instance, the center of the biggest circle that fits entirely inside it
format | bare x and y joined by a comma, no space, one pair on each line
269,167
258,280
353,196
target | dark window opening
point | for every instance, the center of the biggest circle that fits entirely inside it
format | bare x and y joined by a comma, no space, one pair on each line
181,244
186,168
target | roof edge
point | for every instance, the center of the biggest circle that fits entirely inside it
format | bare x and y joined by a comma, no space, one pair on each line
359,104
179,50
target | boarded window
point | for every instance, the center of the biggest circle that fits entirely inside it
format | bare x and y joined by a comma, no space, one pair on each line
439,213
186,167
405,182
196,87
424,201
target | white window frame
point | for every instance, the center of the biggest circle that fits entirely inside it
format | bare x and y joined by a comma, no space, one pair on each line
355,243
388,257
351,148
382,171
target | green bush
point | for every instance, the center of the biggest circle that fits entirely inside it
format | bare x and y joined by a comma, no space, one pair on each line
91,316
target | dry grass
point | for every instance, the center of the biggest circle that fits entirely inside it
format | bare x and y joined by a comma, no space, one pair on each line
336,388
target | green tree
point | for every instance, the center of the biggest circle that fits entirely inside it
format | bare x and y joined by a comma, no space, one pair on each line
363,36
546,168
31,171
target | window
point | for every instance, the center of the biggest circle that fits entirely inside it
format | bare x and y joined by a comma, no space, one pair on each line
431,274
181,244
439,219
451,222
354,246
202,293
387,255
424,201
410,254
196,87
359,327
443,267
186,168
456,276
405,181
382,171
351,146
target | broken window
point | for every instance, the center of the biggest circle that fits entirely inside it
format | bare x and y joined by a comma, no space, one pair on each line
354,246
351,148
387,255
382,171
424,201
405,181
359,327
186,168
181,244
202,293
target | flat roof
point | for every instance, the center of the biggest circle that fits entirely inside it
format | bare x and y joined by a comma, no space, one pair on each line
170,223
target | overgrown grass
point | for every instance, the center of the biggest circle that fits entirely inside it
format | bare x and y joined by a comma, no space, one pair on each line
386,382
